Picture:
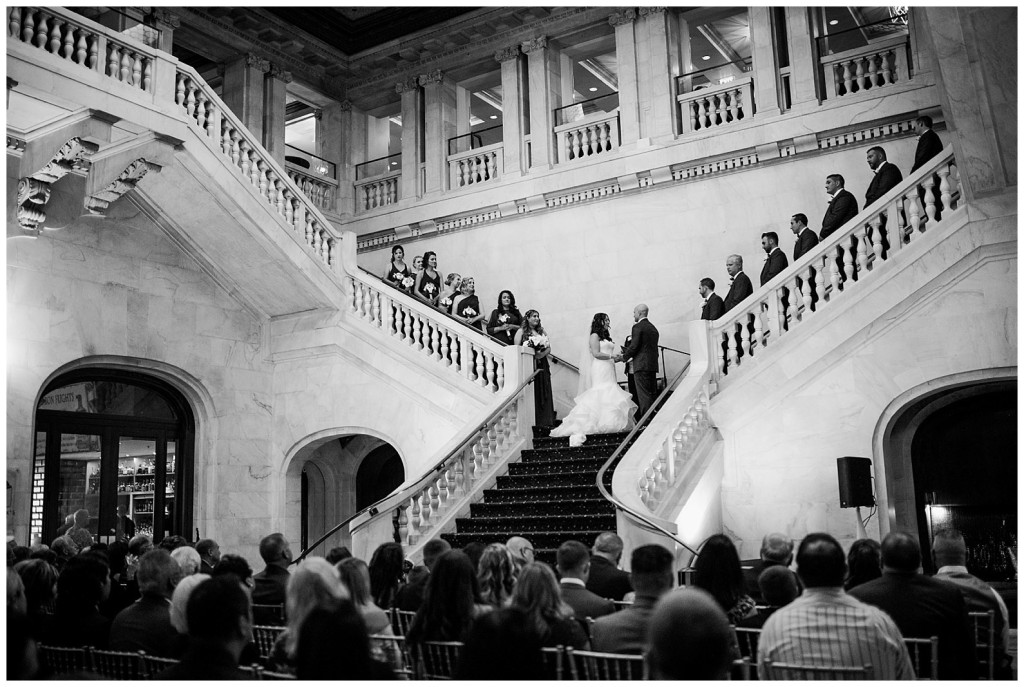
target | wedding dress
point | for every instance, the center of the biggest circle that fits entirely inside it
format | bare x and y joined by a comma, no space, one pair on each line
601,406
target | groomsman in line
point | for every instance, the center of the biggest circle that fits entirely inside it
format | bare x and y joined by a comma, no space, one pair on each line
739,284
886,175
713,307
806,239
775,261
928,143
842,206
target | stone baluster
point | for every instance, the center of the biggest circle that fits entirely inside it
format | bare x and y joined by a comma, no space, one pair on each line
849,256
68,42
730,347
375,308
417,336
42,30
403,312
955,171
793,310
55,31
403,524
887,67
427,512
414,522
863,258
81,48
444,352
500,373
819,280
29,26
846,77
479,356
137,70
458,478
944,194
807,291
915,215
489,369
836,277
14,23
877,237
929,200
745,343
873,81
124,73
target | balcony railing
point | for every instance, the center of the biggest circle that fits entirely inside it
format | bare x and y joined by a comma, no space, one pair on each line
382,166
594,135
864,69
481,138
321,190
313,164
718,106
475,166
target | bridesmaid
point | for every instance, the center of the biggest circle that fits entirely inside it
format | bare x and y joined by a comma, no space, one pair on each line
505,319
453,283
467,308
417,265
543,399
428,282
398,272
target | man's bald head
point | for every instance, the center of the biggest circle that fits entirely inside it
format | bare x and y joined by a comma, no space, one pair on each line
949,548
521,550
777,548
689,637
608,545
900,552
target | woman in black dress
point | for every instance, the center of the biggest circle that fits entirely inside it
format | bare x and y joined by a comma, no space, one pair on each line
453,284
505,319
428,282
532,335
467,308
398,273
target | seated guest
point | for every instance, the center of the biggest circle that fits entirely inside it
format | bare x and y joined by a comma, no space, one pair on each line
398,273
40,580
188,560
776,549
863,563
179,602
776,261
272,581
316,583
452,289
949,552
451,603
338,554
22,653
428,282
922,606
842,206
827,627
172,542
209,554
625,631
605,577
410,594
20,553
355,576
806,239
689,638
505,319
713,306
718,572
146,624
521,549
537,596
779,587
79,537
886,175
474,550
333,644
496,573
220,624
467,306
82,586
504,645
574,568
233,564
386,573
62,552
139,545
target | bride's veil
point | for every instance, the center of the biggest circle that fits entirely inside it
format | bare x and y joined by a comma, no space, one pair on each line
586,360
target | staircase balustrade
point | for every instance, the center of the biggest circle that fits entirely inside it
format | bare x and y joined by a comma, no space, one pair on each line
591,136
475,166
320,190
854,71
378,191
710,108
839,266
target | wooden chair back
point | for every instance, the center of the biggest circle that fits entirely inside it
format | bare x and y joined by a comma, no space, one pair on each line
924,656
393,651
554,662
118,665
620,605
266,636
268,614
984,626
794,671
437,660
595,665
747,639
62,660
401,621
151,665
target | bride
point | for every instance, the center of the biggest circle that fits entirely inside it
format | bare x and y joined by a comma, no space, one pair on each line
601,406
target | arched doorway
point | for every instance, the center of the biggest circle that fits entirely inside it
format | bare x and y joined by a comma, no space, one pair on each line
119,445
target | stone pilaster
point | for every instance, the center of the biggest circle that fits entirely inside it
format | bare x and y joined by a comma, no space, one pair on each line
412,137
275,94
333,139
243,90
545,87
765,68
803,58
511,109
657,66
629,93
439,103
166,22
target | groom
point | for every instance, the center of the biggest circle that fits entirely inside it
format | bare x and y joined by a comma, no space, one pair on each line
643,351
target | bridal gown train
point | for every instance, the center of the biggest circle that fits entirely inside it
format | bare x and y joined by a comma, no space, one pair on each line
601,409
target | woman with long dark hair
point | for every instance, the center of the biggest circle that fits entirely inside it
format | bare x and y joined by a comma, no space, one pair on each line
451,603
718,572
496,574
386,573
539,597
505,319
333,644
428,282
532,335
398,273
863,563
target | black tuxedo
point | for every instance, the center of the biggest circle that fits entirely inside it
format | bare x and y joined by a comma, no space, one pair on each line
841,209
585,603
713,309
886,177
606,580
928,146
643,351
924,607
740,289
805,241
774,265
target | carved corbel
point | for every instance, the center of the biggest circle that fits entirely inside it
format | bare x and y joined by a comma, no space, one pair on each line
254,60
535,44
34,190
32,198
409,84
626,16
507,54
98,203
279,73
648,11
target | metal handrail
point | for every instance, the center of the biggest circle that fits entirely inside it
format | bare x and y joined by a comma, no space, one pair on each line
433,472
658,402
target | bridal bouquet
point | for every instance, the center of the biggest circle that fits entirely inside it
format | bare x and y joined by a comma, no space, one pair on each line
408,282
429,288
468,312
503,319
446,301
537,341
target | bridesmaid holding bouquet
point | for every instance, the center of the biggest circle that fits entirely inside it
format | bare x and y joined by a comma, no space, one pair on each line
533,337
467,308
398,273
505,319
428,282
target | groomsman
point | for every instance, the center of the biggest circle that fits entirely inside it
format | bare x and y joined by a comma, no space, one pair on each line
928,143
739,286
806,239
886,175
842,206
713,307
776,261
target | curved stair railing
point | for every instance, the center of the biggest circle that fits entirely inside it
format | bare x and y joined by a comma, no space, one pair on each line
423,508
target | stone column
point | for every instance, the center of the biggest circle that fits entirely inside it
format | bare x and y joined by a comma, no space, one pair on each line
766,68
803,58
625,56
463,111
333,143
243,91
412,137
545,87
511,110
439,115
567,89
658,65
275,93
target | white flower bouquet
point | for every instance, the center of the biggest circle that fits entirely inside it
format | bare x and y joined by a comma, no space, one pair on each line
503,318
469,312
429,288
408,282
537,341
446,301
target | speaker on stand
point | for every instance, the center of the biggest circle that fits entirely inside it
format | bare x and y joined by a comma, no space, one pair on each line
855,488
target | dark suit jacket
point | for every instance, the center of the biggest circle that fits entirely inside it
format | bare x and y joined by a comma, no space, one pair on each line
805,241
713,309
923,607
774,265
884,180
841,210
606,580
643,349
585,603
145,626
625,631
270,585
740,289
928,146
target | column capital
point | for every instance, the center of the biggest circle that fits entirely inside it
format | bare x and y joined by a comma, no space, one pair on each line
254,60
318,114
626,16
535,44
409,84
431,78
278,72
648,11
506,54
345,105
165,16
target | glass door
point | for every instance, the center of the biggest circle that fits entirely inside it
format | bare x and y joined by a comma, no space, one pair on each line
80,489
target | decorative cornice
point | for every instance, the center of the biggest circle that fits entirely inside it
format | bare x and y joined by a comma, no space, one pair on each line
648,11
535,44
626,16
410,83
278,72
433,78
15,144
254,60
506,54
165,16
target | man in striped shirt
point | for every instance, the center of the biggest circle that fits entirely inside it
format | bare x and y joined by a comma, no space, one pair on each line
827,627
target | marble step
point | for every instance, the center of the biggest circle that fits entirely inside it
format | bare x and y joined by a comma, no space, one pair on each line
566,453
558,467
615,438
520,495
540,540
542,523
548,479
568,506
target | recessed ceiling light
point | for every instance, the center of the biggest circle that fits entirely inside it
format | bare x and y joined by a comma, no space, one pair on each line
393,164
494,116
833,22
706,57
593,89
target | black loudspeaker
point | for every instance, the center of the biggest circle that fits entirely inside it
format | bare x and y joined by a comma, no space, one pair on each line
854,482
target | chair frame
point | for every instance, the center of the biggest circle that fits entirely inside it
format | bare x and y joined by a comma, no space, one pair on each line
915,645
282,618
151,665
751,637
985,646
68,653
796,671
553,658
447,652
401,620
103,660
266,636
587,665
404,667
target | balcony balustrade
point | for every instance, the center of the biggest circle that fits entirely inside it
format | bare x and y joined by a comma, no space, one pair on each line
718,106
875,66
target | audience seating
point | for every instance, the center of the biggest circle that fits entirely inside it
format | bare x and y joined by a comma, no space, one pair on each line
747,639
743,669
268,614
620,605
437,660
793,671
401,620
553,661
266,636
924,656
594,665
393,651
118,665
62,660
151,665
109,665
984,625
